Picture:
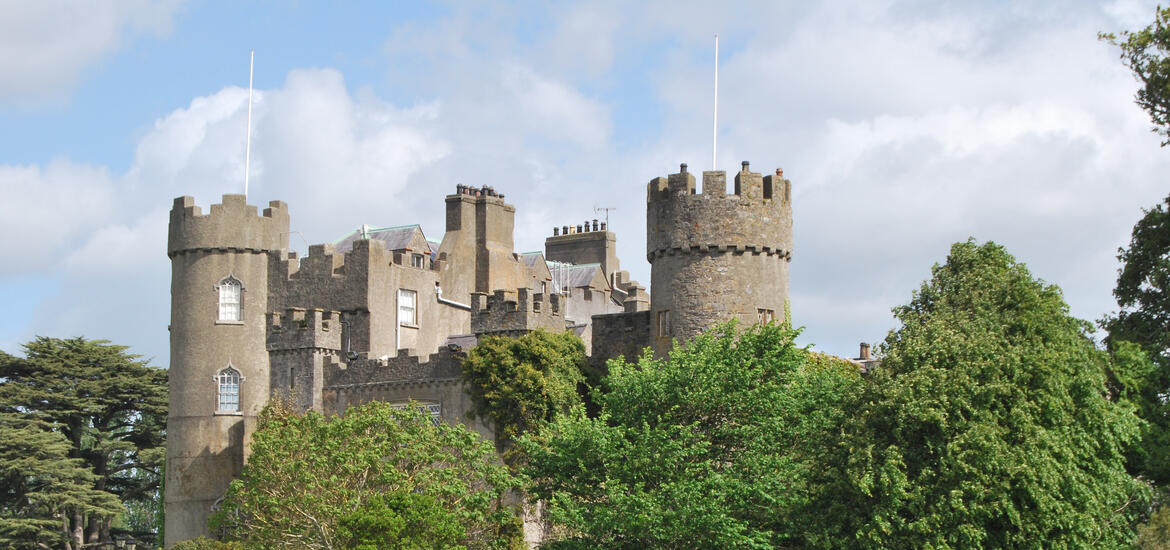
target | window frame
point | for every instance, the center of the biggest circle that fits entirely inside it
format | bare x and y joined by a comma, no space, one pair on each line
224,386
221,288
412,308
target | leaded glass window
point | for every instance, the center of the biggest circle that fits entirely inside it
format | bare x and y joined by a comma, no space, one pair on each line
228,380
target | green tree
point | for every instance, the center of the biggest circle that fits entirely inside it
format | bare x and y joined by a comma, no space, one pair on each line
1147,53
41,486
318,482
520,383
711,448
109,406
986,426
1143,295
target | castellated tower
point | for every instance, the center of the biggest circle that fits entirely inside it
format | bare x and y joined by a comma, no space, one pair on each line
716,256
219,377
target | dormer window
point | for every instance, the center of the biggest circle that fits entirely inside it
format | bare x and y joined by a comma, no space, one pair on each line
231,300
228,398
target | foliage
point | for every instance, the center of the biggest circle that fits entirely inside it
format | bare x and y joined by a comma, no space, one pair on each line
40,484
1143,294
1147,53
1155,533
521,383
317,482
987,424
711,448
204,543
109,406
401,519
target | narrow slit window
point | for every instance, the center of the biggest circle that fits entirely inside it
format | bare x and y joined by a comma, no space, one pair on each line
228,380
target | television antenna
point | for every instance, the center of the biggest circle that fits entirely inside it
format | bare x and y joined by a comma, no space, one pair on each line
597,209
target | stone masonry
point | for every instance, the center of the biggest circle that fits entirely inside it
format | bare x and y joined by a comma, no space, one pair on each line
384,314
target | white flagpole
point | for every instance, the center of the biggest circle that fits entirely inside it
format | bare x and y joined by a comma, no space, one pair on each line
248,141
715,117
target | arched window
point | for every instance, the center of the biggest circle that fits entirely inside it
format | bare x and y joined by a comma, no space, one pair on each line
228,380
231,299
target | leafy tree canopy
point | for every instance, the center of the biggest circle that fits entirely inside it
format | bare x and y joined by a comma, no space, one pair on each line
108,406
520,383
1143,294
711,448
987,425
379,476
41,486
1147,53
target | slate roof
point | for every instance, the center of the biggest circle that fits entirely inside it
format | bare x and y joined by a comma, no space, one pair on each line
531,259
573,275
395,238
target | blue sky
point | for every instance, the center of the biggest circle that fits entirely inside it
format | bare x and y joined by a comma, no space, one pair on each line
904,126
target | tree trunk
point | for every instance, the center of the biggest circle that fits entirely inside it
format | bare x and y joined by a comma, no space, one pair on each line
78,526
66,530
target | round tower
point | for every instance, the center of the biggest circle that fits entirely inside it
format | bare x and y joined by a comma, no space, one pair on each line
219,364
716,255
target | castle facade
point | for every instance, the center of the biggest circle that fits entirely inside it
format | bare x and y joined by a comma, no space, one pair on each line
384,314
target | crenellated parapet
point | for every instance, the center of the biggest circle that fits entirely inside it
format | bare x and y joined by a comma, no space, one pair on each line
298,328
405,368
756,218
515,313
232,225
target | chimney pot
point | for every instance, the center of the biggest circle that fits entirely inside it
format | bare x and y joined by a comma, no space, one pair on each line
780,172
603,226
744,165
556,231
578,229
682,168
864,353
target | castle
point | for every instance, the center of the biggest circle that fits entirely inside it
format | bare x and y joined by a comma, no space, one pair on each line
384,314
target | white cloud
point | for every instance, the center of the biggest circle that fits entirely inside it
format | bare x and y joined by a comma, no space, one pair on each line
905,126
47,211
46,45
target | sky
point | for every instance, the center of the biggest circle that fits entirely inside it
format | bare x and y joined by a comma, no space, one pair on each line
904,126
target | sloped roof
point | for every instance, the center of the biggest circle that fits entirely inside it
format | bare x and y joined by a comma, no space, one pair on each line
573,275
531,259
395,238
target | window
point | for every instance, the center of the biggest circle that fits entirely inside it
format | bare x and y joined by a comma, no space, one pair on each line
406,307
229,390
230,299
765,315
434,409
663,323
416,260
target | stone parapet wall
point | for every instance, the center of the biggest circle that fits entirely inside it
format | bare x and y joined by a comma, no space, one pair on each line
513,313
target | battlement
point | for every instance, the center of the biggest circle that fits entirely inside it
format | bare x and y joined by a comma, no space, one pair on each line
751,186
231,225
300,328
515,313
404,368
755,218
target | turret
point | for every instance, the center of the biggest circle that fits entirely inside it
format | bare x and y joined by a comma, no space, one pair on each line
716,256
219,369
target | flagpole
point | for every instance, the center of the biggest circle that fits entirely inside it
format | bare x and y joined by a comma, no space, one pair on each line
248,140
715,111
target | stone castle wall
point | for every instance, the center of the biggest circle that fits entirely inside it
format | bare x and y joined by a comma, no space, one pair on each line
716,256
206,448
